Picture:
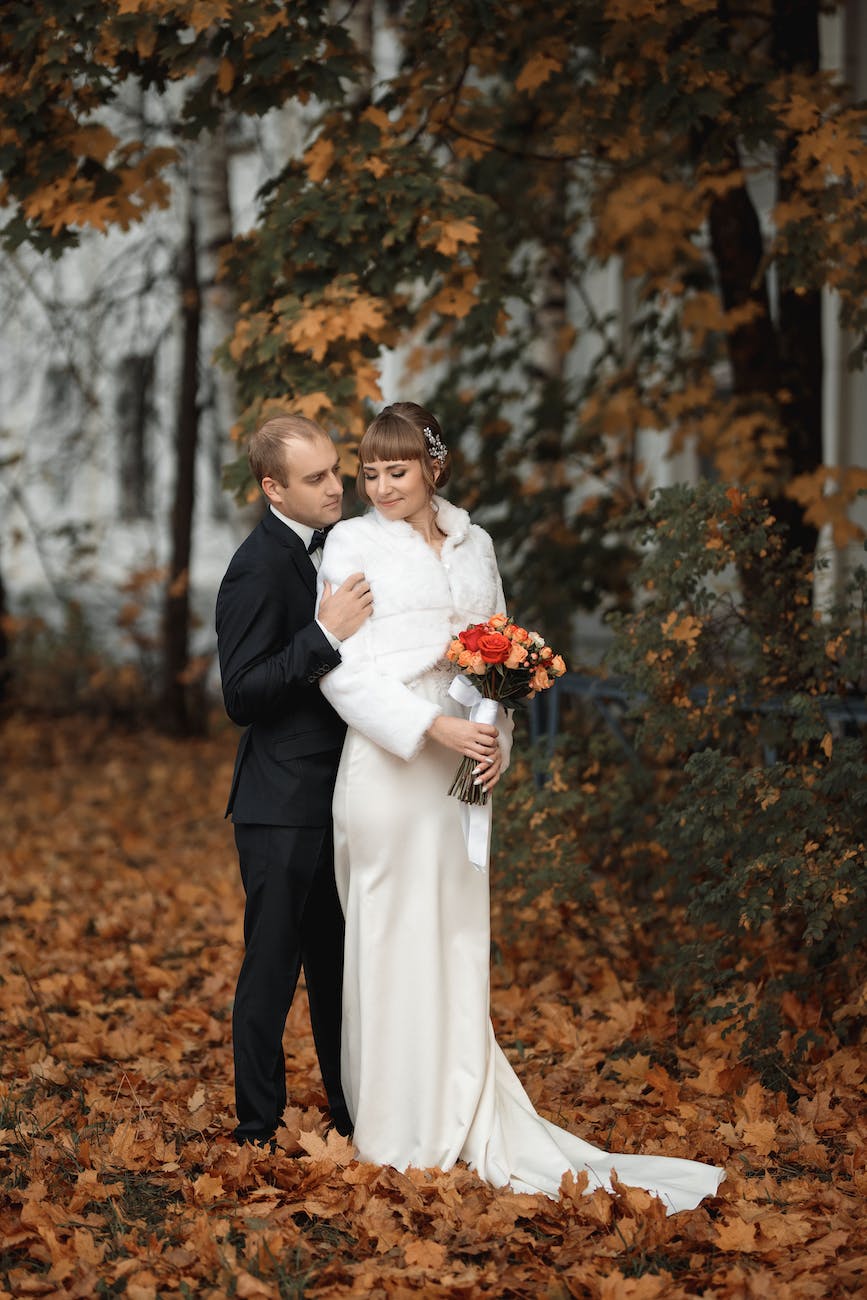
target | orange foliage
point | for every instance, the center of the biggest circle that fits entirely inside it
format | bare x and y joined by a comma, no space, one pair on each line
536,71
120,940
826,496
643,217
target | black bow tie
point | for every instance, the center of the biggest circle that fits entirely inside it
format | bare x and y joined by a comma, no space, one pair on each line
317,540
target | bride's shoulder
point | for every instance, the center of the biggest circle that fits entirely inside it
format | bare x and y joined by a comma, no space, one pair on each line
480,537
348,540
347,531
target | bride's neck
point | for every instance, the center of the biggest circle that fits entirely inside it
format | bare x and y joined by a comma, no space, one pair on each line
425,523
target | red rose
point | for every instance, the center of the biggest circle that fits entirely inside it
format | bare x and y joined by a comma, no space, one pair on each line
494,648
470,637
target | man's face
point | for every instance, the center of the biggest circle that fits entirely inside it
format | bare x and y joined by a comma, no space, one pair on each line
313,493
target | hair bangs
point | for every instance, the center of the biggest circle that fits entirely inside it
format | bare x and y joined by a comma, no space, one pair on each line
391,438
400,433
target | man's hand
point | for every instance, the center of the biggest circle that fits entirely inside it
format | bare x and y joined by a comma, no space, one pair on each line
343,611
478,740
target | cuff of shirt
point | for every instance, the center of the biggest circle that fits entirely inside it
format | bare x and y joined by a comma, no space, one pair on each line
332,640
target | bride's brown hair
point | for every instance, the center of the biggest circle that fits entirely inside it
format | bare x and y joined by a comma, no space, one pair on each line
400,432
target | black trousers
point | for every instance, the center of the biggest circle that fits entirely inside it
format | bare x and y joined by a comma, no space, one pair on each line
292,918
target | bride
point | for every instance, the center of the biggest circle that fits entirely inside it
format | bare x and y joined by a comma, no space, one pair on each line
425,1082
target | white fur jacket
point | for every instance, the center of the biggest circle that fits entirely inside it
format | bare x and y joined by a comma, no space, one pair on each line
420,602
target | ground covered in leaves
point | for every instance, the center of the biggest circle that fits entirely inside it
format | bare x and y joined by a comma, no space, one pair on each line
120,939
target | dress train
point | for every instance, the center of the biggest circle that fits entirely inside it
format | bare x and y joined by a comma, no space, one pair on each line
424,1079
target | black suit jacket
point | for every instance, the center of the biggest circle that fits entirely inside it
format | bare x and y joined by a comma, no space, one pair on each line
272,654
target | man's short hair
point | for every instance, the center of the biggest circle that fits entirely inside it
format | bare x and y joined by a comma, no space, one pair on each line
267,448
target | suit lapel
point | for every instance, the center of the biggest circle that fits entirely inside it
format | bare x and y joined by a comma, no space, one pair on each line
284,535
305,567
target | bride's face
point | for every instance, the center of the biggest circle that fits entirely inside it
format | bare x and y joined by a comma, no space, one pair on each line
397,489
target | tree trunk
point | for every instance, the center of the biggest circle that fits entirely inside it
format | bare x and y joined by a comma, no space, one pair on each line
776,366
183,709
796,48
738,249
219,306
769,361
547,367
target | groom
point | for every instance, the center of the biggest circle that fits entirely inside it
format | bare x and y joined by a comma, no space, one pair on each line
272,653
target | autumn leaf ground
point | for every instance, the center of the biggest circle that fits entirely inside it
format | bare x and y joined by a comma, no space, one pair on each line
121,937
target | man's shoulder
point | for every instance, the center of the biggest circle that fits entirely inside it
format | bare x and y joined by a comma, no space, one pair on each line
261,540
261,555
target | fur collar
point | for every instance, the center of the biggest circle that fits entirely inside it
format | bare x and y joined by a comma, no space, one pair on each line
451,520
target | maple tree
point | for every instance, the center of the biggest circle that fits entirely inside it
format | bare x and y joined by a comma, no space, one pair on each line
466,208
67,161
465,204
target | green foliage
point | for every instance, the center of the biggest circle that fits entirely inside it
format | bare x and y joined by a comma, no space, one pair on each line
743,811
359,241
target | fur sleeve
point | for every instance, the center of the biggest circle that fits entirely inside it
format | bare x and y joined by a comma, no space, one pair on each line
367,698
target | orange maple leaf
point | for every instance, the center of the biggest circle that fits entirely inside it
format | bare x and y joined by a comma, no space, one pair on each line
536,71
452,234
735,1234
318,159
208,1188
425,1254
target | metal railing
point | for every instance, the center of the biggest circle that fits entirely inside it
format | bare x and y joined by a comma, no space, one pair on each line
611,698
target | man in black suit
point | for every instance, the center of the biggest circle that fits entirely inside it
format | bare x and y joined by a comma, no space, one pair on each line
272,653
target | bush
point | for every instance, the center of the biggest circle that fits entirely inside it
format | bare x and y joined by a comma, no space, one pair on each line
736,836
62,670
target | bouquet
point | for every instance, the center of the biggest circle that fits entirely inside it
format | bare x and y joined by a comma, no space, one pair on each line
502,662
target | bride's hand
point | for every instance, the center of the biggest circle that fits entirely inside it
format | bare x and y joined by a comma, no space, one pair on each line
478,740
475,740
489,770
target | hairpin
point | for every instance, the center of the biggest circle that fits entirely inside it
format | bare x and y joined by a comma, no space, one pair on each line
437,449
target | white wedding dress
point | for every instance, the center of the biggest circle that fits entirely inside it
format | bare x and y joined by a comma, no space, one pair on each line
425,1082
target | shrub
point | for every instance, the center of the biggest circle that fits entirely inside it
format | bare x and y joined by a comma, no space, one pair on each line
64,669
736,836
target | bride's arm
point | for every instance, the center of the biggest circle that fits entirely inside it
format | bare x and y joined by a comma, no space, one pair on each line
379,706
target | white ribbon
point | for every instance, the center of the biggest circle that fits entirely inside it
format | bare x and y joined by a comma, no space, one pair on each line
476,817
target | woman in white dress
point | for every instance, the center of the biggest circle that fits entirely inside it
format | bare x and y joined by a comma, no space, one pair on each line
424,1079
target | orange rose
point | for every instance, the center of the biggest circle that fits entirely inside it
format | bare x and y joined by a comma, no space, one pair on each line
517,655
478,664
520,634
494,648
539,680
558,665
498,621
470,636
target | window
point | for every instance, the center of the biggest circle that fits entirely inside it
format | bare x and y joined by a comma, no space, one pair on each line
60,415
134,417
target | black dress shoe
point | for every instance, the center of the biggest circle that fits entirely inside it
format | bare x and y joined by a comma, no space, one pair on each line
266,1141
